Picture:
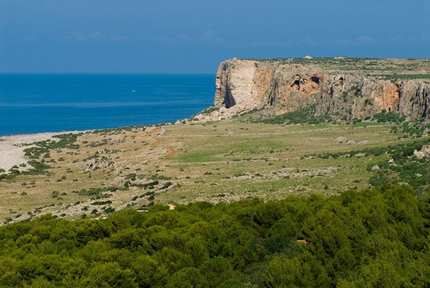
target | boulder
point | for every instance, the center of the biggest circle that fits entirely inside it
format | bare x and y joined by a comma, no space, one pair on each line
120,182
324,172
419,154
376,168
287,170
341,139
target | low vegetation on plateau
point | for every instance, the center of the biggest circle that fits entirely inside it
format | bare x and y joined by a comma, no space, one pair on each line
241,193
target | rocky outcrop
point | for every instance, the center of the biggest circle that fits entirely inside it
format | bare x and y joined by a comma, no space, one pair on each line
347,88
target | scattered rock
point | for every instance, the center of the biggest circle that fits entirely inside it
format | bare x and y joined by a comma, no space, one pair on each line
365,142
426,149
419,154
198,117
341,139
329,170
424,152
119,182
350,142
376,168
287,170
95,164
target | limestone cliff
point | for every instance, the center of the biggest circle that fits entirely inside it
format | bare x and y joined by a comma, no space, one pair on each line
344,87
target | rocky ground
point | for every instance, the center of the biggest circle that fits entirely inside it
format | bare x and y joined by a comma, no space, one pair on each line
224,161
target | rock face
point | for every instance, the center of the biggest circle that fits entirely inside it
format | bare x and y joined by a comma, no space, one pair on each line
348,88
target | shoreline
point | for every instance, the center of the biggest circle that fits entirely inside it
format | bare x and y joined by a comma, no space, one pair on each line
12,145
12,149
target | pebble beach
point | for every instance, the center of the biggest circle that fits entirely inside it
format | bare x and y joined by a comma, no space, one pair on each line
12,148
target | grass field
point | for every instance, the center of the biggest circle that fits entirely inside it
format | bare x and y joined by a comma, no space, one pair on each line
218,161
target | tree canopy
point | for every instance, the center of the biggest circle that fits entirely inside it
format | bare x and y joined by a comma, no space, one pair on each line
370,238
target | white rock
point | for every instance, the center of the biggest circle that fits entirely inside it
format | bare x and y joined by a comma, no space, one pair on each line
376,168
287,170
419,154
341,139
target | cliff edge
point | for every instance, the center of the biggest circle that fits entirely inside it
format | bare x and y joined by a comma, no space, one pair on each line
346,88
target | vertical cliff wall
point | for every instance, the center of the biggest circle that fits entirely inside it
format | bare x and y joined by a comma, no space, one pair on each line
348,88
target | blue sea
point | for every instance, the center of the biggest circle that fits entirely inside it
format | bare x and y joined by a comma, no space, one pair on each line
32,103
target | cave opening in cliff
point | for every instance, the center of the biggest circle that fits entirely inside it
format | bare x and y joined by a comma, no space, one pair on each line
296,82
316,79
296,85
229,99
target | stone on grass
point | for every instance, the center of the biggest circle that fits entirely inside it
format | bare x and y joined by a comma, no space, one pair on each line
341,139
376,168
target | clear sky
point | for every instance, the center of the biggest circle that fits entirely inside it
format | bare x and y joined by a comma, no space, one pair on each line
194,36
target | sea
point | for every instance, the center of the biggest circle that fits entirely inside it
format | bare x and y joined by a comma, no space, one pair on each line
34,103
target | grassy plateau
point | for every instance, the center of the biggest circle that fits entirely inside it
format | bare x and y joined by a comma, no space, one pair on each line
92,174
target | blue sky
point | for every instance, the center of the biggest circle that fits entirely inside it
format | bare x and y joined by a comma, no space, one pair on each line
194,36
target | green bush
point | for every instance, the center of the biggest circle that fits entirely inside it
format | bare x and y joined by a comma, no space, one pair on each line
357,238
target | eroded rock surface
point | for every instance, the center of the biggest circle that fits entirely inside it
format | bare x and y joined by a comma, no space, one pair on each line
348,88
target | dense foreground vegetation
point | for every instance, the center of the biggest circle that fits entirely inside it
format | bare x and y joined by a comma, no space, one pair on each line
371,238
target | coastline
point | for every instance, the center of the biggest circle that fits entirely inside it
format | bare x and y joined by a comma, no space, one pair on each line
12,149
12,146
